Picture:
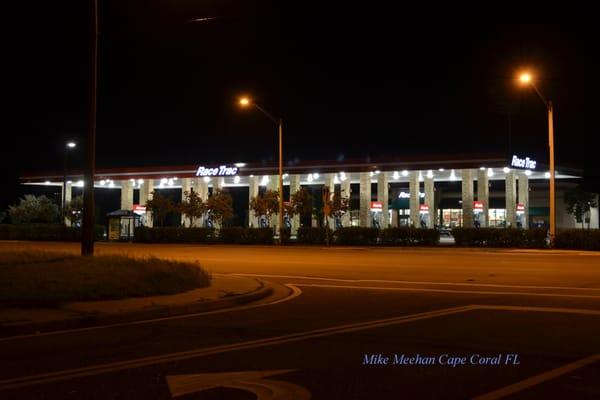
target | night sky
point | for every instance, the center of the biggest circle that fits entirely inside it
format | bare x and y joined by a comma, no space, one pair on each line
349,81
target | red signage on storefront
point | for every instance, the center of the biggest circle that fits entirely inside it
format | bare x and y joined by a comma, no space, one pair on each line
424,208
520,208
376,206
478,205
138,209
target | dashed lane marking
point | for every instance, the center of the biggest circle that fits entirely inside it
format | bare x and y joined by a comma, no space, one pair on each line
484,292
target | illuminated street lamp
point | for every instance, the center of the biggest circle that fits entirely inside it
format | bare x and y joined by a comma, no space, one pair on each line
70,145
246,102
526,79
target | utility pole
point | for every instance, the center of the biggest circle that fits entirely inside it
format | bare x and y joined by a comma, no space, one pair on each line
87,232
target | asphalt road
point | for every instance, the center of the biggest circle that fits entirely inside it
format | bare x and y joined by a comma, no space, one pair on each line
475,323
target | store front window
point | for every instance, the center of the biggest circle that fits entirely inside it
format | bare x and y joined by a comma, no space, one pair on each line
404,217
354,217
452,217
497,217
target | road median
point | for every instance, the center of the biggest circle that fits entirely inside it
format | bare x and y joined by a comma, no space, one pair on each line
224,292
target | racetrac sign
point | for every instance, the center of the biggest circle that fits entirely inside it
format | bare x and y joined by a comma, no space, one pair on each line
222,170
526,162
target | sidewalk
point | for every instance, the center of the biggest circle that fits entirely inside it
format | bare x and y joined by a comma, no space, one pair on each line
224,291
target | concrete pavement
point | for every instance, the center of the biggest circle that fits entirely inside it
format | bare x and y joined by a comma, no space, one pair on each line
458,265
225,291
543,308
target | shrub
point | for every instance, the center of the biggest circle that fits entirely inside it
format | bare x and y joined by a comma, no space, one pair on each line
509,237
409,236
42,232
32,209
582,239
308,235
428,237
31,279
498,237
355,236
285,234
536,237
174,235
239,235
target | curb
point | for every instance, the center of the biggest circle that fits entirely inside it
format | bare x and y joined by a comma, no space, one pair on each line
265,289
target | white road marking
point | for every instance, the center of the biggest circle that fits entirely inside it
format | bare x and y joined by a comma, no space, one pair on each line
415,282
582,296
580,311
37,379
537,379
250,381
552,252
295,292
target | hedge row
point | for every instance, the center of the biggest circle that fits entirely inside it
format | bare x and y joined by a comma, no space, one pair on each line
580,239
233,235
239,235
174,235
410,236
352,236
357,236
308,235
53,232
494,237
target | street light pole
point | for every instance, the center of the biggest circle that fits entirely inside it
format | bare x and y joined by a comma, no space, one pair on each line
526,78
280,130
552,172
87,231
244,102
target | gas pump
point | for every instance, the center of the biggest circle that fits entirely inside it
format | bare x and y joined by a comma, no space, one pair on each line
287,222
376,214
520,215
263,221
477,213
208,222
141,211
338,222
424,215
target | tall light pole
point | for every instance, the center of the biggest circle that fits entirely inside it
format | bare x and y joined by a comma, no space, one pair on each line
69,146
246,102
526,79
87,231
